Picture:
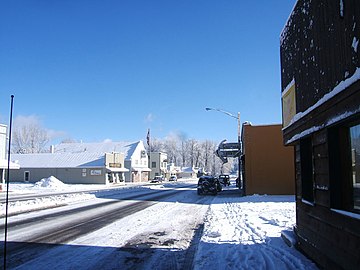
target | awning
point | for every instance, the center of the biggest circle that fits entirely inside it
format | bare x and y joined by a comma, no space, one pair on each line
113,169
4,164
141,169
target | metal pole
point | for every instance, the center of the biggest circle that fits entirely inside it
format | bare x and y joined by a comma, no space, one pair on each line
8,180
241,182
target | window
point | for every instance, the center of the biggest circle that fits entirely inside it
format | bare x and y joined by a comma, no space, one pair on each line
306,163
153,164
355,166
26,176
344,164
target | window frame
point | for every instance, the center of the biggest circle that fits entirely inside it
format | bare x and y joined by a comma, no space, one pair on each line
340,167
26,176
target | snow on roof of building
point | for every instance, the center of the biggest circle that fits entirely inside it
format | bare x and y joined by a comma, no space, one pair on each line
59,160
188,169
71,155
4,164
341,86
126,148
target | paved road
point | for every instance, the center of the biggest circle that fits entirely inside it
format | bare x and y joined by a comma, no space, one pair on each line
29,235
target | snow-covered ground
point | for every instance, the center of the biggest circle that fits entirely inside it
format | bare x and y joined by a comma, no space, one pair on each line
233,232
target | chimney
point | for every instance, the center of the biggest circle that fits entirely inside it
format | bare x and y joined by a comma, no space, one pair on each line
52,149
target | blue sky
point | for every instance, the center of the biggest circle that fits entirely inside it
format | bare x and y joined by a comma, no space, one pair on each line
105,69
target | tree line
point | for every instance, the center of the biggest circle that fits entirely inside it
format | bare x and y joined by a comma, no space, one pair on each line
31,137
193,153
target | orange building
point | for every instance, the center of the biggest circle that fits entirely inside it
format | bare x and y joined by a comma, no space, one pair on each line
267,165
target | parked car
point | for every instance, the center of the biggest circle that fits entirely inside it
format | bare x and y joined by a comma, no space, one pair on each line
173,178
224,179
208,184
157,179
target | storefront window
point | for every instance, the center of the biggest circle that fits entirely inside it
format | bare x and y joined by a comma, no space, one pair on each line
355,165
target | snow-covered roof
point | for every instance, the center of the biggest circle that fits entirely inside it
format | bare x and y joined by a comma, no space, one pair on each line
127,148
72,155
187,169
4,164
59,160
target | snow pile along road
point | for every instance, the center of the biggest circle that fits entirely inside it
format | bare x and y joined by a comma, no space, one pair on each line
44,186
51,182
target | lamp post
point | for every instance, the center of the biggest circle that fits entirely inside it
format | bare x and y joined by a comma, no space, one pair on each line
241,185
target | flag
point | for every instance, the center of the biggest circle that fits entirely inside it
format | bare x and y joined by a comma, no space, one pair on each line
148,137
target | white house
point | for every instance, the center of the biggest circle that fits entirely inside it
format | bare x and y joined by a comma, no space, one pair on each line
86,163
188,172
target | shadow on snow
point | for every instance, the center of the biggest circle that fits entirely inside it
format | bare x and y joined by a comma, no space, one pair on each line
176,194
151,254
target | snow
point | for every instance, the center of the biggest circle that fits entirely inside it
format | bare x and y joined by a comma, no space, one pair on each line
50,182
339,88
245,233
355,44
317,128
238,232
283,32
287,88
304,133
341,8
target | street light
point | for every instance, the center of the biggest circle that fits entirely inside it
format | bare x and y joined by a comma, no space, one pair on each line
239,139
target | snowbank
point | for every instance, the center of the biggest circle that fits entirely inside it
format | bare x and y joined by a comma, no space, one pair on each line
51,182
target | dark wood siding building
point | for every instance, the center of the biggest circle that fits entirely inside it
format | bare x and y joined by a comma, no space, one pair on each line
320,72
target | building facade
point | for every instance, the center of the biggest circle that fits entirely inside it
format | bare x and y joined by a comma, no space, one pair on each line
320,73
267,165
188,172
158,165
85,163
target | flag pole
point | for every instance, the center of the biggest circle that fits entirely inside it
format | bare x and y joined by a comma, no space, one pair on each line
7,180
149,149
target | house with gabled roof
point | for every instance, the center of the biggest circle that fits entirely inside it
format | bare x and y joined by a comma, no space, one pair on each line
86,163
188,172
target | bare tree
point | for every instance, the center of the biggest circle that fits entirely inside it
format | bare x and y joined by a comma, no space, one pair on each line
192,153
183,153
170,147
29,136
156,145
207,147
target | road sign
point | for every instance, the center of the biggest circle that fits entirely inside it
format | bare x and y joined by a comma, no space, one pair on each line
226,150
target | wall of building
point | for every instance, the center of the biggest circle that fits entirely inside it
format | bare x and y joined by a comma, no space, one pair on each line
321,55
269,165
67,176
160,161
